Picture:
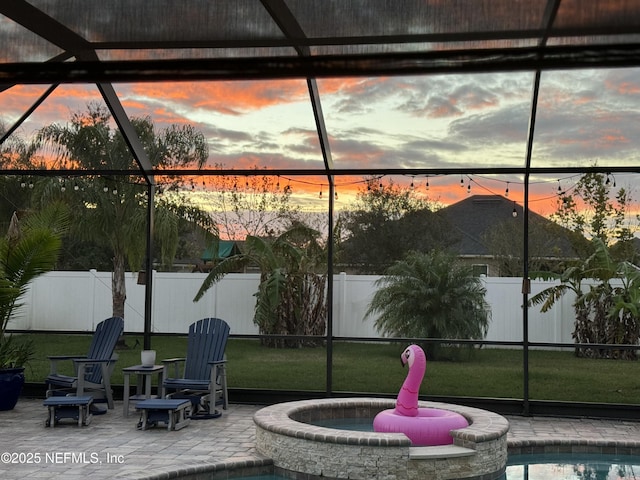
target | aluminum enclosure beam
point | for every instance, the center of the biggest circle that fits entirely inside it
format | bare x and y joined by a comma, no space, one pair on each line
329,66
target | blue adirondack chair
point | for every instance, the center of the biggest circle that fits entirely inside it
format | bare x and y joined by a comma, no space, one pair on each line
204,378
93,371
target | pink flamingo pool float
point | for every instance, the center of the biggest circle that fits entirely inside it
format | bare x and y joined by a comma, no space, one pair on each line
423,426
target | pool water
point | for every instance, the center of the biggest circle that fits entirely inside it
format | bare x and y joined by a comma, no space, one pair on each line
263,477
554,467
351,424
572,467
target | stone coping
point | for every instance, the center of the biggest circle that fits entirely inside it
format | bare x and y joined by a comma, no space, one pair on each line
440,451
228,469
288,419
574,446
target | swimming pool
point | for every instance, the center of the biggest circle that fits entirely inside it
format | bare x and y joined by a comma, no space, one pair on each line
581,466
553,467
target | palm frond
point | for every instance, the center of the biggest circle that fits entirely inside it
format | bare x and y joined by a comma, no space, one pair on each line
228,265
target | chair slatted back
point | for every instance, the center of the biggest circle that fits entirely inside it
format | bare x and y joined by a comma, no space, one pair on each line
103,345
207,342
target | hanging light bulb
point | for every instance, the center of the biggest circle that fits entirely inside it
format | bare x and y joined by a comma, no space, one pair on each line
76,187
461,181
23,183
506,192
30,184
427,184
114,191
335,194
105,189
63,187
469,188
514,214
320,194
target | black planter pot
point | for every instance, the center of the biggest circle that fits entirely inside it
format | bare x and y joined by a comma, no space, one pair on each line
11,382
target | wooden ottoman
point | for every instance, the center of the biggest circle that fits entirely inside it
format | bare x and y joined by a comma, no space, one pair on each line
60,407
171,411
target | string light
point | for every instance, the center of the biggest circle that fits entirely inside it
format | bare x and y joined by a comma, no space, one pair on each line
514,214
378,181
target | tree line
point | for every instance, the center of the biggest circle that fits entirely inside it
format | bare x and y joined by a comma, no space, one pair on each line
426,292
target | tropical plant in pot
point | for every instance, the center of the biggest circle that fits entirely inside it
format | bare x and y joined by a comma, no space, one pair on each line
29,248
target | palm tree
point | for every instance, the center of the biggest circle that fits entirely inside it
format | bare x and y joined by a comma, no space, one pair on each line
29,249
607,311
291,296
430,295
112,211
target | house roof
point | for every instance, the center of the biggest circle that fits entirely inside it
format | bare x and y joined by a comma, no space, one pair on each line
474,217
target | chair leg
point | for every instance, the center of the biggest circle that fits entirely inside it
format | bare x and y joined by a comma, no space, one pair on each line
223,386
106,383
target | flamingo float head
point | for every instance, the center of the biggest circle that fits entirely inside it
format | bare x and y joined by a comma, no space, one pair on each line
407,402
413,354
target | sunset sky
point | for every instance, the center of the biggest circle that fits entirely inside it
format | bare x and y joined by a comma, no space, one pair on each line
584,118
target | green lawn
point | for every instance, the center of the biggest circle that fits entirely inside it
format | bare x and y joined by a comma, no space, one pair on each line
375,368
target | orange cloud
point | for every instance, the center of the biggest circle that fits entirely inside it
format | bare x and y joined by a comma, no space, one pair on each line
628,88
226,97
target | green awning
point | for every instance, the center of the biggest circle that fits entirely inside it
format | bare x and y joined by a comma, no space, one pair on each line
221,250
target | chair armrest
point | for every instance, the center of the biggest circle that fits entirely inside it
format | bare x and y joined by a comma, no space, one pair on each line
169,361
88,361
217,362
54,359
65,357
174,360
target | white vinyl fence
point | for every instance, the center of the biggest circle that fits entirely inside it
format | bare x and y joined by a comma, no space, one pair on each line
79,300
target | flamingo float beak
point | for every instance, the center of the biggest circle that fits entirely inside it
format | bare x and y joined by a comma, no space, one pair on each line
404,358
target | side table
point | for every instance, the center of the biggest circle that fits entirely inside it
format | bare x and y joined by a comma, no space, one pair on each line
144,376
